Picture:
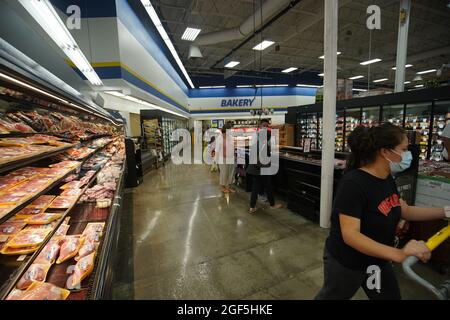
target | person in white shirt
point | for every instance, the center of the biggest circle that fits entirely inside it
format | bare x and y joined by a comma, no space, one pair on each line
445,136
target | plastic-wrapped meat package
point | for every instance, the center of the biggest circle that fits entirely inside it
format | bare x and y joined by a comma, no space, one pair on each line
29,212
43,218
28,238
36,272
45,291
51,226
71,185
42,202
12,199
16,294
8,182
69,248
66,164
93,231
62,230
72,192
22,127
44,138
87,248
4,210
70,178
11,228
50,253
82,270
63,202
6,250
7,125
15,142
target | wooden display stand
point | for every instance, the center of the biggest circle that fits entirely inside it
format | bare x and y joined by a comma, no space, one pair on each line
286,132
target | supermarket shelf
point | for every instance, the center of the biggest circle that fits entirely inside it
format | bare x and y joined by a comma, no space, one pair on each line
4,291
26,161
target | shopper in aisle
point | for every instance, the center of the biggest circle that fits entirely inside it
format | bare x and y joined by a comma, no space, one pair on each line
210,154
261,183
445,136
366,211
225,160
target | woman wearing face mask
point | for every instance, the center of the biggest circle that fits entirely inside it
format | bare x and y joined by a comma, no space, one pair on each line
366,211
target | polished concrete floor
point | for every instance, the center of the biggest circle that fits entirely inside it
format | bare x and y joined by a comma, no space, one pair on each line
181,238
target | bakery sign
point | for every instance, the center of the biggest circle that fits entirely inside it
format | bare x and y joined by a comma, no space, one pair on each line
237,102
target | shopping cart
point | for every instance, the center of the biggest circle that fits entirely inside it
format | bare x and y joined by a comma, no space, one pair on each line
442,292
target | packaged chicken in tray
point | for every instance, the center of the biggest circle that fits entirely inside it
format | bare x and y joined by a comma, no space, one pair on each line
28,212
50,253
72,192
82,270
16,294
66,164
62,230
18,251
44,291
69,248
28,238
42,202
4,210
63,202
43,218
36,272
72,185
86,249
93,231
10,228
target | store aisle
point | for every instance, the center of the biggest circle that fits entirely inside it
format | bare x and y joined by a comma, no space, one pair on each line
181,238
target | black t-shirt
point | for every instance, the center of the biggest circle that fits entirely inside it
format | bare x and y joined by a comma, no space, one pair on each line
376,202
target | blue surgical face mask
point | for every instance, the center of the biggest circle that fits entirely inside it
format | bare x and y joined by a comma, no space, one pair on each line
404,164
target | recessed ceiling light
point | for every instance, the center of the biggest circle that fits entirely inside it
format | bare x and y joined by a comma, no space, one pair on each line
232,64
190,34
364,63
263,45
426,71
406,66
356,77
381,80
323,57
289,70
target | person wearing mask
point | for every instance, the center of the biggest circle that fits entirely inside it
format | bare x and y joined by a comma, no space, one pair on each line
226,161
261,183
366,210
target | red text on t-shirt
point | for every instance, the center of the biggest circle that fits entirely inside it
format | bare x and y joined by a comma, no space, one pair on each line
387,204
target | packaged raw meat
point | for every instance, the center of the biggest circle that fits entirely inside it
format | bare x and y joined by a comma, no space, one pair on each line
44,137
50,253
69,248
27,172
66,164
42,202
82,270
51,226
87,248
11,228
72,185
62,230
58,172
36,272
72,192
8,182
6,250
4,210
16,295
28,238
45,291
70,178
12,199
29,212
15,142
43,218
93,231
63,202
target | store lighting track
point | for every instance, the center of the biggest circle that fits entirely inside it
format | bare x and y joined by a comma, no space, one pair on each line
356,77
244,86
323,57
321,74
289,70
380,80
406,66
308,85
190,34
360,90
212,87
271,85
45,15
232,64
263,45
427,71
365,63
155,19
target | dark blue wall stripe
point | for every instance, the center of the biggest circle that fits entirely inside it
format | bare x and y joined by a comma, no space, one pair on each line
89,8
249,92
146,34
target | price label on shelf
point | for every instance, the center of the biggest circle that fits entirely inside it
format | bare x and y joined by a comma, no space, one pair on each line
22,257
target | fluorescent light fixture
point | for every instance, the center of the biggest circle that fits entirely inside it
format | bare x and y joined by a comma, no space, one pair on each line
151,105
263,45
356,77
419,86
232,64
45,15
360,90
364,63
289,70
281,85
321,74
116,93
380,80
155,19
308,85
26,85
407,82
190,34
426,71
271,85
323,57
406,66
212,87
244,86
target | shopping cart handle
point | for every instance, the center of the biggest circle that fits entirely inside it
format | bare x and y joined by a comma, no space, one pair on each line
409,262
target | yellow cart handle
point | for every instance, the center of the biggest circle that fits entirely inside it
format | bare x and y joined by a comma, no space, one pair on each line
438,238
